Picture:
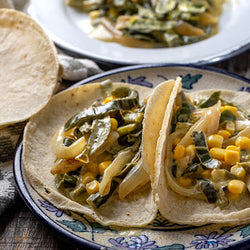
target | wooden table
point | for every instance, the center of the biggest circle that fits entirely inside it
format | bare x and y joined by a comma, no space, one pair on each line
20,229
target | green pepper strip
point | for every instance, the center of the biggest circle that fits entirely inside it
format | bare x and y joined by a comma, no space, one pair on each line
92,113
184,112
202,151
212,100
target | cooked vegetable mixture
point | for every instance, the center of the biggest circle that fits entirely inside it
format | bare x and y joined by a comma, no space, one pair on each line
152,23
210,143
99,149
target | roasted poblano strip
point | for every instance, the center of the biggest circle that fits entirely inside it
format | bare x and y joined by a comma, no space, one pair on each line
203,152
92,113
208,189
184,111
211,100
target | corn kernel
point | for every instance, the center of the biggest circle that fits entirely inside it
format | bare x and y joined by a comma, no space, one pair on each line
232,196
232,156
112,12
185,181
93,14
243,142
228,107
190,150
236,186
114,123
108,99
87,177
92,167
206,173
224,133
217,175
215,141
92,187
217,153
179,152
239,171
102,166
230,127
233,147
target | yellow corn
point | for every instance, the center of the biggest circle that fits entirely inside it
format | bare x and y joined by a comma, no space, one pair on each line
236,186
224,133
92,167
92,187
232,156
179,152
93,14
215,141
87,177
217,175
243,142
185,181
190,150
102,166
232,196
228,107
206,173
239,171
233,147
108,99
114,123
112,12
217,153
230,127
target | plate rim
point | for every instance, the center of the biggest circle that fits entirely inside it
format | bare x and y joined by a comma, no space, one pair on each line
44,218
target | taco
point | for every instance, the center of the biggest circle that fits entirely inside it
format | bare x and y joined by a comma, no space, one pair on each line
203,162
28,67
83,152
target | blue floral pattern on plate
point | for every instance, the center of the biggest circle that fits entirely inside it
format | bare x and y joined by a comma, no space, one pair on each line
161,233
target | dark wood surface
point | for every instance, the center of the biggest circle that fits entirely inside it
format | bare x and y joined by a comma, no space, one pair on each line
20,229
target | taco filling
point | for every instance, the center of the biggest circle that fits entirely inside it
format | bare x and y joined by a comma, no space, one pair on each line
99,148
209,150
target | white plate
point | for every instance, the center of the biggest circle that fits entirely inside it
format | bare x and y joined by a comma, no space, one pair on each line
69,29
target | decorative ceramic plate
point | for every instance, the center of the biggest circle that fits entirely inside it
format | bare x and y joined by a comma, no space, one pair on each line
161,233
69,29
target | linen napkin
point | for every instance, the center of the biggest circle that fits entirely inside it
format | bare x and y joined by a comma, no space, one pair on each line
74,69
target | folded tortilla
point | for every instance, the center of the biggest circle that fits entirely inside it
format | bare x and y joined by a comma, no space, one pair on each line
181,209
136,209
28,67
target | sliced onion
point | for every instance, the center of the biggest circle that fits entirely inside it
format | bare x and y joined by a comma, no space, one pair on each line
62,166
231,141
209,123
113,170
136,177
63,152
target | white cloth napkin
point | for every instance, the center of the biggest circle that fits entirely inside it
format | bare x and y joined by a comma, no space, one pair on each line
74,69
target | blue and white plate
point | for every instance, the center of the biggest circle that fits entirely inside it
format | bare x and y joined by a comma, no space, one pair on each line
69,29
161,233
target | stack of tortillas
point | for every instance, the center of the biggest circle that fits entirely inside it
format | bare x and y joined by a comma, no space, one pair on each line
28,67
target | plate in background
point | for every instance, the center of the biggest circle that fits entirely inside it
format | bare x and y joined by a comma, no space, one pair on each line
69,29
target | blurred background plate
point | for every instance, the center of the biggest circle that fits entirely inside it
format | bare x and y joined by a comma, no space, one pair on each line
69,29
